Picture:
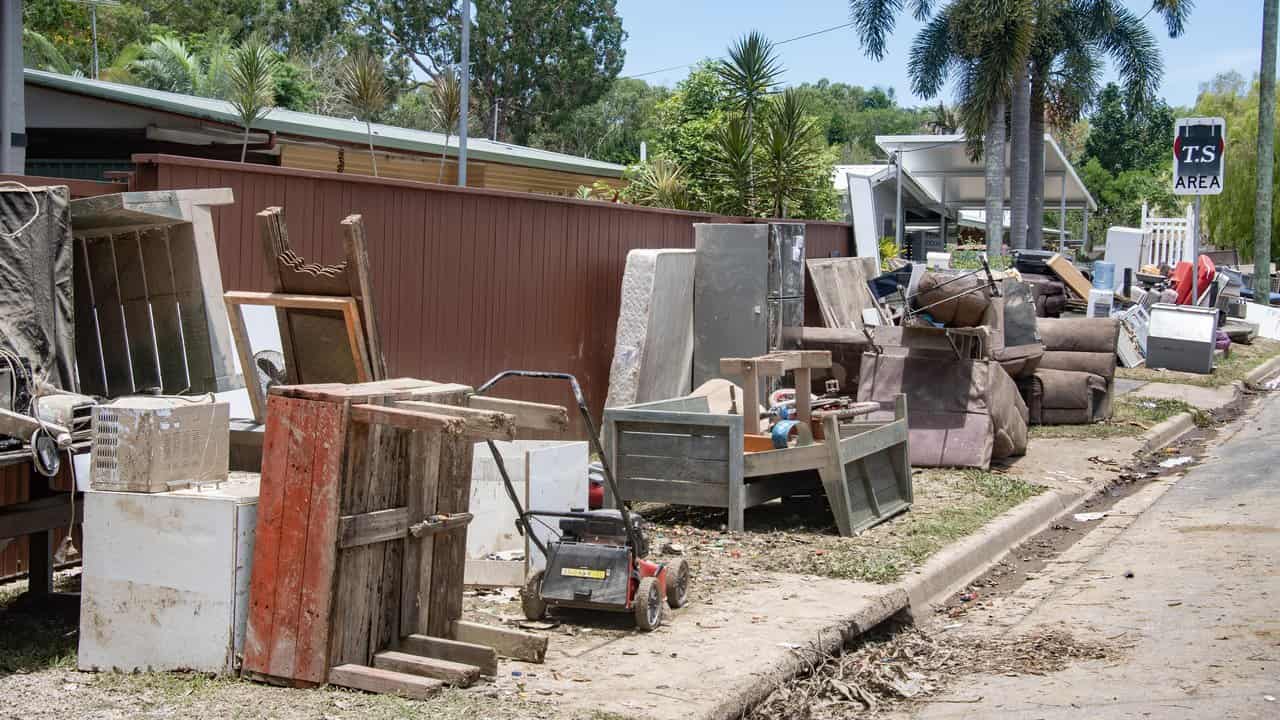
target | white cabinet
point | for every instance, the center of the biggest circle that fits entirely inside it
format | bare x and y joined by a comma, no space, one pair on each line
165,584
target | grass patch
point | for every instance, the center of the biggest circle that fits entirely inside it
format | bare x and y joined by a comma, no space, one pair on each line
1130,416
1240,362
31,637
967,501
969,260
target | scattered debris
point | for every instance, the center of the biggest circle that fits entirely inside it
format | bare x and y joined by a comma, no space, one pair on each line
1176,462
906,664
1088,516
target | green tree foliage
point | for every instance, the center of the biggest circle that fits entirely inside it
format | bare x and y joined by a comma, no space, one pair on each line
250,71
533,61
850,117
657,183
612,127
1123,137
363,82
1120,196
65,25
1230,216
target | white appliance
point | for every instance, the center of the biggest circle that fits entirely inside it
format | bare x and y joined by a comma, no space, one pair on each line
1125,249
153,444
1180,337
165,584
1100,303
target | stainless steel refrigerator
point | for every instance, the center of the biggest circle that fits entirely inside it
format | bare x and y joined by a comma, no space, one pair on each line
748,292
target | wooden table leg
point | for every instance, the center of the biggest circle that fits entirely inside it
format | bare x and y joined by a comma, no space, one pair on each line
40,562
803,378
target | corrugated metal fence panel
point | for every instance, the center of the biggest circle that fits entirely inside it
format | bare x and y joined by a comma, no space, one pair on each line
468,282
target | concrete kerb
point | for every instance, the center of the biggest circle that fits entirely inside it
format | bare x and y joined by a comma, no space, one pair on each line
1253,380
1167,431
829,642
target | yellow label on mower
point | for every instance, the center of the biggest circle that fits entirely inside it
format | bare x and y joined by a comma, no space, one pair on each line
587,573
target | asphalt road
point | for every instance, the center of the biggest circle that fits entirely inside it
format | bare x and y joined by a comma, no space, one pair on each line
1197,626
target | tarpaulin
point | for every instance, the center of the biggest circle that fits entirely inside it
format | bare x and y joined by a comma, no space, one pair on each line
36,311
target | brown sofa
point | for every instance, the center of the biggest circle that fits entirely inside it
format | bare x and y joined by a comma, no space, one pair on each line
1075,382
960,413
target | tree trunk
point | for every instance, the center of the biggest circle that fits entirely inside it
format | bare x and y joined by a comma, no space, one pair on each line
373,159
1035,163
993,154
749,200
1020,155
1266,158
244,145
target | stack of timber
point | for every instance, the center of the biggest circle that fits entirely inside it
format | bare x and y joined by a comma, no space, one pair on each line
361,539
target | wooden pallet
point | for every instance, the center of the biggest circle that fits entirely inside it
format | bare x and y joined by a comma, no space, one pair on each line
361,541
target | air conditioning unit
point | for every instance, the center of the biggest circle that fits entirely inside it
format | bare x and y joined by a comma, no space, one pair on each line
158,444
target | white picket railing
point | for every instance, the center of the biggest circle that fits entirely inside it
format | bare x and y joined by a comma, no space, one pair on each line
1170,238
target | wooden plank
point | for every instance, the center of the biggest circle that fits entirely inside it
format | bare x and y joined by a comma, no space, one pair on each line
377,680
715,472
394,389
407,419
358,276
675,491
763,366
349,636
687,426
260,627
1068,273
25,518
479,424
481,656
293,540
804,393
453,495
291,301
319,564
872,441
507,643
453,673
807,457
528,415
693,446
372,527
257,401
833,479
424,459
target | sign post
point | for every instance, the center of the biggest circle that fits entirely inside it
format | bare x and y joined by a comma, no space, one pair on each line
1199,150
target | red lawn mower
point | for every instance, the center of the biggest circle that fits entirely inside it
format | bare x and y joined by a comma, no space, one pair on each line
598,561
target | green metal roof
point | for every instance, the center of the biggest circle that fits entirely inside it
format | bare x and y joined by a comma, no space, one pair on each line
300,124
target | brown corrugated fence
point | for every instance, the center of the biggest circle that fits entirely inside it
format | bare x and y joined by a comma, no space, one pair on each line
468,282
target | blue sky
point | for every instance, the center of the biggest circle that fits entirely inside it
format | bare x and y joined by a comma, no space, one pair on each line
1222,35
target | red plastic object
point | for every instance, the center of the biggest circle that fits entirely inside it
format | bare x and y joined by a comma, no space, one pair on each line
595,496
1182,278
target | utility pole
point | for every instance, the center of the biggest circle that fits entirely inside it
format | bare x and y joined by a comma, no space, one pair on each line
497,108
466,93
1266,146
13,116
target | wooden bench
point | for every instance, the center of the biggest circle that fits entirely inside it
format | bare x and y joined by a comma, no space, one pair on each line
678,451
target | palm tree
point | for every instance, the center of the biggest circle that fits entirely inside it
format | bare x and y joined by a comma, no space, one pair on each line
1071,39
750,73
983,43
1019,158
252,85
364,88
1266,146
39,53
166,63
446,107
731,164
788,160
658,183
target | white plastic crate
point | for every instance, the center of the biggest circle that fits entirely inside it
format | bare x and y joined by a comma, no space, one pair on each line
157,444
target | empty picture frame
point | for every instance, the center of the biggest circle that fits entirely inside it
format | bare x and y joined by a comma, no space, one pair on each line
327,359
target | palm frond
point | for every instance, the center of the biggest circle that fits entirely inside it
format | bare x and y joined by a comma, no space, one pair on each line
658,183
731,165
38,52
1175,13
446,99
364,84
1136,54
874,21
751,71
931,57
789,133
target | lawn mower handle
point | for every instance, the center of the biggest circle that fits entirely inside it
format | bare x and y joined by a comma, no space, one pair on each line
592,438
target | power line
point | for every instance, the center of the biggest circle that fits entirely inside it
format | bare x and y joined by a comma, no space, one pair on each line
807,35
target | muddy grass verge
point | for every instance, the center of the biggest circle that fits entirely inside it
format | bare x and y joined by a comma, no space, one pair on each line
1130,416
1233,367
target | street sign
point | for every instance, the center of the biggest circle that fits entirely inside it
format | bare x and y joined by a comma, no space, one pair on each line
1199,149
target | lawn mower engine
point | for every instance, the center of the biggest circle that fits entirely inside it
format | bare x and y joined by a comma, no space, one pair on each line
594,566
